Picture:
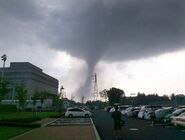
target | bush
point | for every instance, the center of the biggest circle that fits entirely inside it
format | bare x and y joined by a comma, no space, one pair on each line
18,124
8,108
21,120
28,109
56,116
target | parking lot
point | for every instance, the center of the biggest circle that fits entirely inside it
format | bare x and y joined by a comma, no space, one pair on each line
136,129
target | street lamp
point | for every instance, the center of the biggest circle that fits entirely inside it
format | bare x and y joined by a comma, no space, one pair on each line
62,88
132,96
61,98
3,58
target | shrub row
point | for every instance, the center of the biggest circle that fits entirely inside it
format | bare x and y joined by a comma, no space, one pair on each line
18,124
21,120
8,108
57,116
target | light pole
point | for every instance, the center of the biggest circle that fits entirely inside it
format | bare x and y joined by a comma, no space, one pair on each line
61,89
3,58
132,96
61,98
13,92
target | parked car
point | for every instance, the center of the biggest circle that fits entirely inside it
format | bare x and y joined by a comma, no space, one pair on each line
133,111
161,113
169,117
112,109
179,120
147,113
107,108
120,108
146,109
142,111
77,112
124,112
141,114
123,107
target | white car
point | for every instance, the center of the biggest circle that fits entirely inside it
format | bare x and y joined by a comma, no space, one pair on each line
144,109
147,114
112,110
176,113
161,113
77,112
179,120
107,108
120,108
141,114
124,112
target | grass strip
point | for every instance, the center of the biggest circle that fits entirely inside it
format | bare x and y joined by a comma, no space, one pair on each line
9,132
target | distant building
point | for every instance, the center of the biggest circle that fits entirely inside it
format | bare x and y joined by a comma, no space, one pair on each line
31,77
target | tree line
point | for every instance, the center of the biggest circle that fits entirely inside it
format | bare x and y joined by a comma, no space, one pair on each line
116,95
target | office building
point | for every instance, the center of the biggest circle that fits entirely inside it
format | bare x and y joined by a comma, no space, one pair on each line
31,77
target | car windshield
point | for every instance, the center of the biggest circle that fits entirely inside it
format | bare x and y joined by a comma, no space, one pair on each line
183,114
177,112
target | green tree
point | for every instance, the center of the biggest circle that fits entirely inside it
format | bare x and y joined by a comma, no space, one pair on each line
35,97
21,94
4,89
42,96
115,95
58,103
173,99
103,94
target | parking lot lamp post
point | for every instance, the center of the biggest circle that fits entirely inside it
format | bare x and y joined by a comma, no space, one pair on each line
61,89
132,96
61,97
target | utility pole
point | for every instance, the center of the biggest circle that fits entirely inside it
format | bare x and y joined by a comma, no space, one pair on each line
95,87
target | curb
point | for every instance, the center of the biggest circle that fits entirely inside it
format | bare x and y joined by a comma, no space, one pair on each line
32,130
95,131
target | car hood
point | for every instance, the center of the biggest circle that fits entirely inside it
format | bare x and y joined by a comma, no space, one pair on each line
168,116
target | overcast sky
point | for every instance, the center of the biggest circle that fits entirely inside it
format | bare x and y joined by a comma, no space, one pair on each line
135,45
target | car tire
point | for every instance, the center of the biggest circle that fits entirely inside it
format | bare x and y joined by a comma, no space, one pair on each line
86,115
70,116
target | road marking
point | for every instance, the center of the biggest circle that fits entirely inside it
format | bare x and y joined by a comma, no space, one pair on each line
95,130
159,124
170,126
133,129
71,121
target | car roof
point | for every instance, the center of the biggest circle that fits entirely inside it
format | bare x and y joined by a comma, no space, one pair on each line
75,108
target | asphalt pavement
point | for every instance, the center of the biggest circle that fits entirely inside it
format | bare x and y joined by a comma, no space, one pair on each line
136,129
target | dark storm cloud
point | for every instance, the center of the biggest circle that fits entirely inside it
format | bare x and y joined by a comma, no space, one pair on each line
19,23
112,30
117,30
23,10
120,30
